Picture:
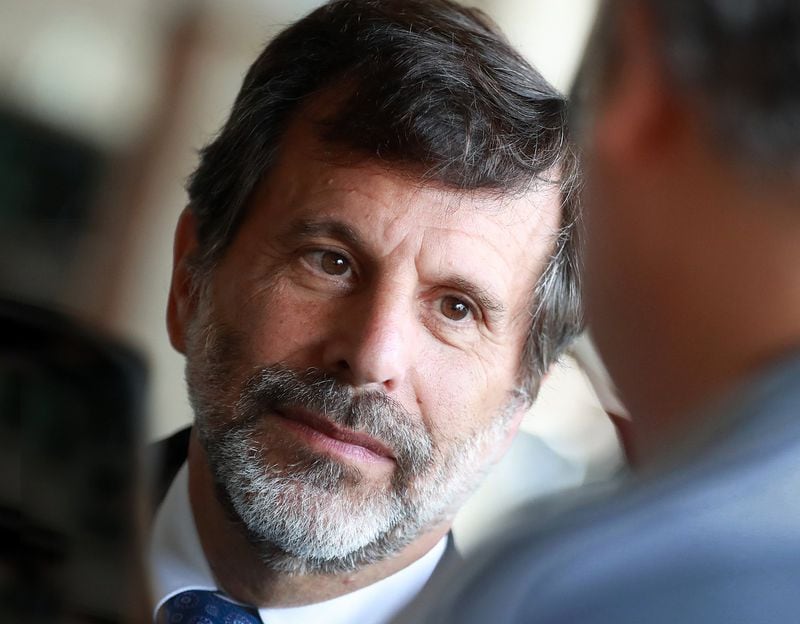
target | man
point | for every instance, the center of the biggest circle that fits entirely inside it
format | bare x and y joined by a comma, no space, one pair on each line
691,124
372,276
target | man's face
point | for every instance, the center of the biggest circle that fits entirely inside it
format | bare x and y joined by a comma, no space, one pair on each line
354,357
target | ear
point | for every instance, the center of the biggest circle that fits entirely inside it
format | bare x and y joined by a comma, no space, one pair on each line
638,109
182,296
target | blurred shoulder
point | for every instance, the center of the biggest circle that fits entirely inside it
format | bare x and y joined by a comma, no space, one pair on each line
699,545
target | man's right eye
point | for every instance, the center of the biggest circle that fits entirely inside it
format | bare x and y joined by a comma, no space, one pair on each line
330,262
454,308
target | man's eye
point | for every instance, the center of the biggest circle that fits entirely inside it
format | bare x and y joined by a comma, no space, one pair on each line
455,309
332,263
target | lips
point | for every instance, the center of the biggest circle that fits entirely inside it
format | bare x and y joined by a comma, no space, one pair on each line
331,430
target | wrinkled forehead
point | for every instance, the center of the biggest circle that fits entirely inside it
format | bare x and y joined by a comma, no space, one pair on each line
319,181
378,208
506,236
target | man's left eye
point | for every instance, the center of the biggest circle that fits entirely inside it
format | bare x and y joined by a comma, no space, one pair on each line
332,263
454,308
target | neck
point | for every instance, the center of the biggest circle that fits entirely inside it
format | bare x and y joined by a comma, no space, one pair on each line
242,574
726,304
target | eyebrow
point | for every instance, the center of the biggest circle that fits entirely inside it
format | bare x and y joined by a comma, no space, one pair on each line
310,228
483,297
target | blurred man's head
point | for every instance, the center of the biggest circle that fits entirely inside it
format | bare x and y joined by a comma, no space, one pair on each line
690,118
377,266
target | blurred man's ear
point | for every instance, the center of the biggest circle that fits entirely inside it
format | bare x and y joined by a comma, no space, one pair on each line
182,294
636,113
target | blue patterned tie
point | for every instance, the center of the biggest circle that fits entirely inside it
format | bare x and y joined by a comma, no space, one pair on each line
197,606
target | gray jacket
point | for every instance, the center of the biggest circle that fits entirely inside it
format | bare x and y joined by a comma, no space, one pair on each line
711,538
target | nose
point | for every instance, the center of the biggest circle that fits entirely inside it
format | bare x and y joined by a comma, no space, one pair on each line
373,341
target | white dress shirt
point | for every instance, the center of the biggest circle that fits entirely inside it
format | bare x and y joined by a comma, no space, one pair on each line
177,563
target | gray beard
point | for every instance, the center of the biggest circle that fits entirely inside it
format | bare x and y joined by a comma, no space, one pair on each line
318,515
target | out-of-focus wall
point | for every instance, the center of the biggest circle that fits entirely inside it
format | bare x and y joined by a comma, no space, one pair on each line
550,33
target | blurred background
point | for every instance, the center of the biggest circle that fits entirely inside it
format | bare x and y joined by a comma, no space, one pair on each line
103,106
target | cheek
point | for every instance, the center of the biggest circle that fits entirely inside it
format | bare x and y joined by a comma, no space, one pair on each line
455,396
281,325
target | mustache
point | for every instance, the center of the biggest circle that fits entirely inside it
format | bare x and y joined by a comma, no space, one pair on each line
373,413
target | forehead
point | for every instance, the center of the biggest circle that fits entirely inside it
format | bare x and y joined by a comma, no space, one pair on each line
389,211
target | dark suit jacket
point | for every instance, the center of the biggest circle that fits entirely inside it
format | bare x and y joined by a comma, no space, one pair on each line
166,458
712,539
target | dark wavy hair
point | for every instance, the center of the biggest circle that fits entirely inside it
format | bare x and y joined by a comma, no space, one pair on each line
430,87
